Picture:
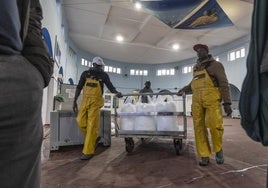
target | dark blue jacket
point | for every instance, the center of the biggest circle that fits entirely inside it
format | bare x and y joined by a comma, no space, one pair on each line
20,33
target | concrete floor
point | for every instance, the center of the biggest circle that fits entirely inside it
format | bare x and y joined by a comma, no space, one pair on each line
154,164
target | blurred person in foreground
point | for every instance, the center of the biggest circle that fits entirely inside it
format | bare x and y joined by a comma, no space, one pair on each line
253,103
88,117
25,69
209,87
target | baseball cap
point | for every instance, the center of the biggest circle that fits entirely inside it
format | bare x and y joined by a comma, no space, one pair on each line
197,46
98,61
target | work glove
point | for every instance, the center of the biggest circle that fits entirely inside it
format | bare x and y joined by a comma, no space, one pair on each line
180,92
75,108
227,109
119,95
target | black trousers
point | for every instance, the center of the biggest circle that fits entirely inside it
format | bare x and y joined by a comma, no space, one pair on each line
21,131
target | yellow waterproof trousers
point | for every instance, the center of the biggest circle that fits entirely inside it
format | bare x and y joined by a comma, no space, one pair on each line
88,117
207,113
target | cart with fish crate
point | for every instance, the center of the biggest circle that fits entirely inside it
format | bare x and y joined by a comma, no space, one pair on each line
162,118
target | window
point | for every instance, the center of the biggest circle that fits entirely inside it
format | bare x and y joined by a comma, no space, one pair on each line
165,72
137,72
217,58
85,62
118,70
112,69
236,54
63,31
58,4
232,56
243,52
187,69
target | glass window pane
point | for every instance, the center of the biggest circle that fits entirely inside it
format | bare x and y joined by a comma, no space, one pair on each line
172,72
106,69
159,73
145,72
163,72
110,69
118,71
232,56
132,72
237,54
184,70
168,72
243,53
85,62
114,69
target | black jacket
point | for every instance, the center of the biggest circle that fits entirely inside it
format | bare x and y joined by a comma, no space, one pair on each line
97,74
34,48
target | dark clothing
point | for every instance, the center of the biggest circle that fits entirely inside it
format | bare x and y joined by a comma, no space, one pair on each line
10,40
34,48
21,131
217,74
253,104
144,98
20,33
96,74
25,69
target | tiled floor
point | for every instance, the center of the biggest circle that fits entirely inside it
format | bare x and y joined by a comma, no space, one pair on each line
155,164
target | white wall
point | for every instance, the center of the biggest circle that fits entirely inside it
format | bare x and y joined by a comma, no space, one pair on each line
54,22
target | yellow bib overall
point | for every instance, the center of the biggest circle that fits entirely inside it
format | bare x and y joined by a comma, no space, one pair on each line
207,113
88,117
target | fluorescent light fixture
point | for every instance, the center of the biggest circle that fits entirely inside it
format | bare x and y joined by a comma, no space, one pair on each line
119,38
175,46
138,5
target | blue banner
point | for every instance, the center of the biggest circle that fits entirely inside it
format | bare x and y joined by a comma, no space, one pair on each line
209,15
188,14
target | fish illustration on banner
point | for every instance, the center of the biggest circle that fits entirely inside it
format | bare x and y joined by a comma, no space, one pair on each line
208,15
188,14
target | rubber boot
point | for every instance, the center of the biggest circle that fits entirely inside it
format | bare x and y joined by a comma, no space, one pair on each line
86,156
97,142
219,157
204,161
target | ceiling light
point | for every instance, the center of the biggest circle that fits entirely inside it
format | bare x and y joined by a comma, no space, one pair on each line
138,5
175,46
119,38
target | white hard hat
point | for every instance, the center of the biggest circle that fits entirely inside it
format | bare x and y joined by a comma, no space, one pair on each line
98,61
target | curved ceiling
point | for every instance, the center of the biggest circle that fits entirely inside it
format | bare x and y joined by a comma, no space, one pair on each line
94,24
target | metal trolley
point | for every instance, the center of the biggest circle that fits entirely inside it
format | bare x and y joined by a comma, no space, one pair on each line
177,136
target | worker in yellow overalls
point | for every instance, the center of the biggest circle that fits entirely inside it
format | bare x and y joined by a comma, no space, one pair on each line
209,87
88,117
